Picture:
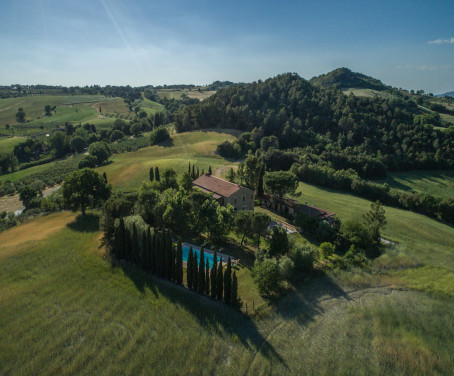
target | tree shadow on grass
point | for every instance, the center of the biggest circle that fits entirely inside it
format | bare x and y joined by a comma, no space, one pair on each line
87,223
304,304
209,313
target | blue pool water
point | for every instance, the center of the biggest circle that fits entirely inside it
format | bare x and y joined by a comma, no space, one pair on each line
209,258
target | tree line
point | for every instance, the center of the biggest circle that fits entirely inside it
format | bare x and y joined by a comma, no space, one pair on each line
392,133
155,252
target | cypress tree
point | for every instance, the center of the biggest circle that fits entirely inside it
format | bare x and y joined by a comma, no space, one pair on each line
220,282
213,283
104,175
174,264
128,245
234,294
169,255
154,253
156,174
228,282
189,168
189,269
209,170
207,279
193,171
143,254
149,250
203,171
116,242
162,251
151,174
260,190
135,244
214,270
122,239
179,265
198,174
195,272
202,271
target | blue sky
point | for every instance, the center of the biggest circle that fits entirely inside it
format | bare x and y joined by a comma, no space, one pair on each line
407,44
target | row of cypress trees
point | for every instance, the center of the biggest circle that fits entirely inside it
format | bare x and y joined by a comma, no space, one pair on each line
154,174
212,282
152,251
195,172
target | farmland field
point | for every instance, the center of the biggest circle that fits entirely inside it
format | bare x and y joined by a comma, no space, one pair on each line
66,309
128,170
177,93
76,108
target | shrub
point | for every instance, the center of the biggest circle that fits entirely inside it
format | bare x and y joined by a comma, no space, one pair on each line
159,135
355,257
303,258
89,161
327,249
286,268
279,244
101,151
116,135
267,276
77,144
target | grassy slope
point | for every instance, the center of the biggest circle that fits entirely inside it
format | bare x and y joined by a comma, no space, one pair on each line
7,143
438,183
423,238
66,310
128,170
77,108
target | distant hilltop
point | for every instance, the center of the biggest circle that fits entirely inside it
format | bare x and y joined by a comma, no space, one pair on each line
448,94
345,78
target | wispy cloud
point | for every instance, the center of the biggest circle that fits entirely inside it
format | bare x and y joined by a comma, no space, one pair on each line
442,41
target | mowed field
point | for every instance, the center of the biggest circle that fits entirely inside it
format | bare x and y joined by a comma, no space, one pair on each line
438,183
128,170
66,309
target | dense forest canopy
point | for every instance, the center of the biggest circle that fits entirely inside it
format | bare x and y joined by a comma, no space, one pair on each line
323,125
345,78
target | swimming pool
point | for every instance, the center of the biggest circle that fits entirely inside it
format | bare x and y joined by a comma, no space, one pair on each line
209,258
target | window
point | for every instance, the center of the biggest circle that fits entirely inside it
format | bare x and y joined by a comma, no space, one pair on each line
235,201
244,198
252,196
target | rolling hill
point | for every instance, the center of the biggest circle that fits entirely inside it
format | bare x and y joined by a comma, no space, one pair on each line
345,78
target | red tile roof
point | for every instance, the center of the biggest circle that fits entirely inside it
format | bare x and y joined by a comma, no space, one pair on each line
216,185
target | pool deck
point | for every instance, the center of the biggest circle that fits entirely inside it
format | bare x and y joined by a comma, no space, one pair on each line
223,256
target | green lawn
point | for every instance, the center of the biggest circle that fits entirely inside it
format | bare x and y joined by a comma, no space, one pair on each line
438,182
128,170
65,309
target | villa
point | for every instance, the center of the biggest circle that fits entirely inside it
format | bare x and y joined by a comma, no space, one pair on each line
225,192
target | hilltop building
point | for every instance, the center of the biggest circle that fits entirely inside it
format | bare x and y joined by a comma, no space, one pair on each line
225,192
